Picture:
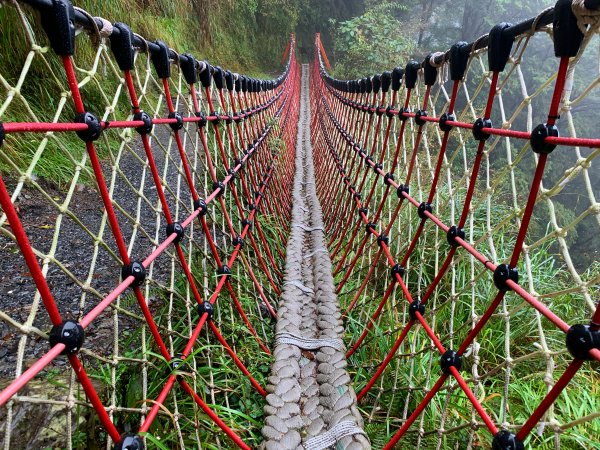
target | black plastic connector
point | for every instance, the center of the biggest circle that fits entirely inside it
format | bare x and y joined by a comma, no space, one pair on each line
376,83
416,307
383,239
388,112
386,81
161,60
478,127
459,58
218,77
130,442
228,80
444,118
499,47
364,210
397,75
121,44
177,125
401,189
411,73
135,269
423,208
401,113
581,339
538,138
206,74
220,186
369,227
224,270
70,333
505,440
429,71
176,228
144,117
419,117
187,64
502,274
566,34
453,233
248,222
58,21
203,121
201,205
206,307
397,269
388,178
238,240
94,130
377,167
450,359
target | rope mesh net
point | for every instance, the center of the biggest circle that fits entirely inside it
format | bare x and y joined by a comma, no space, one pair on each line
461,256
149,238
462,236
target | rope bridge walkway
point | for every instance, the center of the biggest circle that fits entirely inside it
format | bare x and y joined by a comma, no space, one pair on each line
218,261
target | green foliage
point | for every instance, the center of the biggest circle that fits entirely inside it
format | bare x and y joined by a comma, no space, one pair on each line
371,42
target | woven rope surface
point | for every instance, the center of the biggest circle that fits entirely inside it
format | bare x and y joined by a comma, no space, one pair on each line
309,392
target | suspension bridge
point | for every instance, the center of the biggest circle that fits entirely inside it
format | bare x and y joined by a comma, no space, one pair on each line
300,262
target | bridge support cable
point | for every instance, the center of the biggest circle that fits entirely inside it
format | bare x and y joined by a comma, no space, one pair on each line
311,404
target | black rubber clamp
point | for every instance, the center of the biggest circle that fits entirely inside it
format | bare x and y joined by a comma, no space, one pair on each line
121,44
429,71
144,117
397,75
130,442
411,73
187,64
444,118
383,239
581,339
377,167
176,228
478,127
94,130
499,47
505,440
389,113
388,178
135,269
386,81
206,74
416,307
459,58
401,113
450,359
58,21
201,205
70,333
502,274
453,233
538,138
161,60
363,210
177,125
566,34
248,222
370,227
424,207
